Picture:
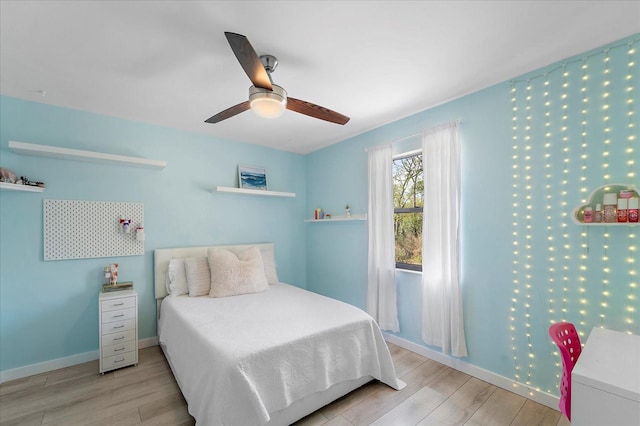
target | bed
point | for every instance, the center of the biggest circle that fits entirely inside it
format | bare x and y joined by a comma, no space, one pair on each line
268,357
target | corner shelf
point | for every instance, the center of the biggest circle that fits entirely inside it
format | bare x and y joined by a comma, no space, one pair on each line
359,217
88,156
15,187
255,192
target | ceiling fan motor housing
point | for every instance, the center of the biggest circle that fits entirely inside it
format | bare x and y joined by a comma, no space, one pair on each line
269,62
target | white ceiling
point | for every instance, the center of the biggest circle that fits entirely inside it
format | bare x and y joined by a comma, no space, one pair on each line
169,63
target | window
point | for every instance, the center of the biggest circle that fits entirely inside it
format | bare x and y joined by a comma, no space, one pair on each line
408,201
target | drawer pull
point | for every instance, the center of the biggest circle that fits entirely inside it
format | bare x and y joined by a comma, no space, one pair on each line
118,338
117,316
118,326
118,304
118,350
118,360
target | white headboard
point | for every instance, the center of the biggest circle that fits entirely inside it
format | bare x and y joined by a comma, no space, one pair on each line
161,259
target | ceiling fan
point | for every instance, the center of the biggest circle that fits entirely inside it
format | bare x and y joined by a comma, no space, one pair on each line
265,98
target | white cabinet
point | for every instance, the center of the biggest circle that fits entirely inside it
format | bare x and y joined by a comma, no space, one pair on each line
118,312
605,382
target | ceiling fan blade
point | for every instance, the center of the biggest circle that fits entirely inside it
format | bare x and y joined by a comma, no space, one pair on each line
249,60
315,111
229,112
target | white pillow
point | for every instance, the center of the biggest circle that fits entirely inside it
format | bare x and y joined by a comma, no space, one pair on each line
267,252
198,276
233,274
269,262
176,278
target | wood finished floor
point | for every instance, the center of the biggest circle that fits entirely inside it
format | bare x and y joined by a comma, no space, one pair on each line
147,394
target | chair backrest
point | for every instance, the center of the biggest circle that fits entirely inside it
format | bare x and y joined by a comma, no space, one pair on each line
565,336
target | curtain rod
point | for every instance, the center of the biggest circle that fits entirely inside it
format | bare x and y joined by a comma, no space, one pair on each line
422,133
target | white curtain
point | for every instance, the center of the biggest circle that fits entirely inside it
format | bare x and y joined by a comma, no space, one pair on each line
381,296
442,321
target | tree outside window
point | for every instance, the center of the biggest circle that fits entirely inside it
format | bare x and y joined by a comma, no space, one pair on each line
408,200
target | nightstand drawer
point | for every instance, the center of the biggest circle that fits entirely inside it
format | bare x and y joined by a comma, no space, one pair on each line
118,348
117,361
113,327
119,315
115,304
118,337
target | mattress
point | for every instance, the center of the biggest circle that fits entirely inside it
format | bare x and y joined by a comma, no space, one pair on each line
237,359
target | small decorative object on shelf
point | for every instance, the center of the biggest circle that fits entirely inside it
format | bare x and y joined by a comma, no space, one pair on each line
614,204
633,209
318,214
111,275
7,176
251,177
347,211
127,285
26,181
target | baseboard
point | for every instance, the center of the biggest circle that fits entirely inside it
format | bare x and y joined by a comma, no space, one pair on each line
55,364
538,396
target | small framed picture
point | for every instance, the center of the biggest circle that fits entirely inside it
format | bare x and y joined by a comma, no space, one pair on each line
252,177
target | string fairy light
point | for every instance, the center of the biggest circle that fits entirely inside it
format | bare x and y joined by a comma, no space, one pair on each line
565,190
573,106
584,233
528,231
632,299
548,198
604,299
550,234
516,249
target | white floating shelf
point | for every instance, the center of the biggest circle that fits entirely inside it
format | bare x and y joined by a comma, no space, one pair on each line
255,192
608,224
340,218
79,155
596,197
14,187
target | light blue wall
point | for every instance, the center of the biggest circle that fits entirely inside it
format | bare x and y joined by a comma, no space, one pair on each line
48,310
337,252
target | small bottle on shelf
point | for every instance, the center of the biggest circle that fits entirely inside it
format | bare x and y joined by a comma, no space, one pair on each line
632,212
622,209
597,216
587,215
610,204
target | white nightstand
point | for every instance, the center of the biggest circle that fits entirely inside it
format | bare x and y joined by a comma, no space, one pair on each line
118,322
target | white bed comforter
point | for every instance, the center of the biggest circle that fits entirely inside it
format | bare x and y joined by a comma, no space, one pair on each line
238,358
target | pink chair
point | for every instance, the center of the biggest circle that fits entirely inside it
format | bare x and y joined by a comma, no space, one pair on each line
565,336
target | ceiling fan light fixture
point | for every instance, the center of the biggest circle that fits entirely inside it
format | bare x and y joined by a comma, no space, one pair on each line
266,103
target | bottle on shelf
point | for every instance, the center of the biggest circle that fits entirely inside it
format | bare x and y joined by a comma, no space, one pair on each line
597,215
623,205
632,212
610,207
